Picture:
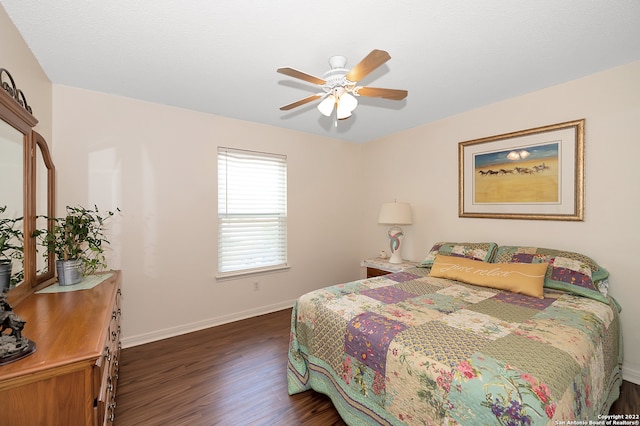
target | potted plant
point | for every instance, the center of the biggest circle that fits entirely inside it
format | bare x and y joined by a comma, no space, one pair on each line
11,247
78,241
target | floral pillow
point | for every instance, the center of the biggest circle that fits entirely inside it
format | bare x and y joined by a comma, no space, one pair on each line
474,251
567,271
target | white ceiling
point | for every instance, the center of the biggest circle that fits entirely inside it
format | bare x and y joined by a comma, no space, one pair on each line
221,57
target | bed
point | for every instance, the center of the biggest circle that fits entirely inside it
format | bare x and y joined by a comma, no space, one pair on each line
442,344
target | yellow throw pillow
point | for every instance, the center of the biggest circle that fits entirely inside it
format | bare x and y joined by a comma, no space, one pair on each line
523,278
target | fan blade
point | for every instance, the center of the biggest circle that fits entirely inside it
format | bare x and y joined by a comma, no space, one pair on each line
300,102
301,75
372,61
376,92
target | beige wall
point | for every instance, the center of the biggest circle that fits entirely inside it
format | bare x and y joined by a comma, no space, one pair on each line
29,77
158,165
420,166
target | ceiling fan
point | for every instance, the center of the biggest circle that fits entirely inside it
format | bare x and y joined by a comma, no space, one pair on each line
339,85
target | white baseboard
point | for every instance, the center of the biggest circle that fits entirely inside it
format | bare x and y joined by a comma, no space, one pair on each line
631,375
201,325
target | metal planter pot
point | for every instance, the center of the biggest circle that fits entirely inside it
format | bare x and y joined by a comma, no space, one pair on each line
69,271
5,275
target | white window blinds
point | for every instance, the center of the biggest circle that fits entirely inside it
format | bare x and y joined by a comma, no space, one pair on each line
252,211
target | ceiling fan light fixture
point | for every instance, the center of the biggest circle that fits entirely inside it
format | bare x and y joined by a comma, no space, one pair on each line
342,113
348,101
346,104
326,106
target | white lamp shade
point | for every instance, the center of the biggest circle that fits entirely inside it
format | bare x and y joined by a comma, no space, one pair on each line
342,113
395,214
326,106
348,102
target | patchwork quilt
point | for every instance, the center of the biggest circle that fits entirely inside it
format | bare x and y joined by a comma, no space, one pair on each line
407,348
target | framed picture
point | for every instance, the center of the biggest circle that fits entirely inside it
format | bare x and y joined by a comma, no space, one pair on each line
531,174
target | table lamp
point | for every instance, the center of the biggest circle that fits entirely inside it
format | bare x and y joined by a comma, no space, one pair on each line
395,214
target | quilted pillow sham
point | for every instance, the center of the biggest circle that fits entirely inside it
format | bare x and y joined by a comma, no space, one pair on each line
523,278
476,251
567,271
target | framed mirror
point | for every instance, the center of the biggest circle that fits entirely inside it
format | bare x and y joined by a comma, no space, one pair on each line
28,179
12,172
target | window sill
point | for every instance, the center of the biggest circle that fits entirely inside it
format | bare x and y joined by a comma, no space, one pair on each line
222,276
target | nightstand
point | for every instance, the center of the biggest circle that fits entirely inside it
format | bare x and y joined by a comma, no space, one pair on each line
377,266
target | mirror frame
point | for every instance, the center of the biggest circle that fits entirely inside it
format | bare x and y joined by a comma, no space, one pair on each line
38,142
15,111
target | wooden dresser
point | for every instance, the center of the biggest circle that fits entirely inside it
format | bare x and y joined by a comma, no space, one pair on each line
71,378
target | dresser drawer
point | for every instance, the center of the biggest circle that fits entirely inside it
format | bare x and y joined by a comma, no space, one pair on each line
108,369
375,272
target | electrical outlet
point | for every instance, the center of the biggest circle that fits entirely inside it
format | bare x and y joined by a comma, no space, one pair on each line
256,285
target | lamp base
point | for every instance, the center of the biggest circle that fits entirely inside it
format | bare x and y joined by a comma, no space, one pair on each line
396,235
395,258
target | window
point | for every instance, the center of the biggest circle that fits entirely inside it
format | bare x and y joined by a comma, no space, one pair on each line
252,211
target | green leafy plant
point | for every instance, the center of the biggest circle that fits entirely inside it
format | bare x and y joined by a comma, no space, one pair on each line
79,235
11,238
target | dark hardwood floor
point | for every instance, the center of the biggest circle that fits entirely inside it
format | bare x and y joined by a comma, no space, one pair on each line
233,374
629,401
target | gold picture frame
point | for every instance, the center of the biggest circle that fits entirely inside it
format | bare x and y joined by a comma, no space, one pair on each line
533,174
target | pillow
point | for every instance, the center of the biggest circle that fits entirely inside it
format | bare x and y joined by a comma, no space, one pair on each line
567,271
475,251
515,277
